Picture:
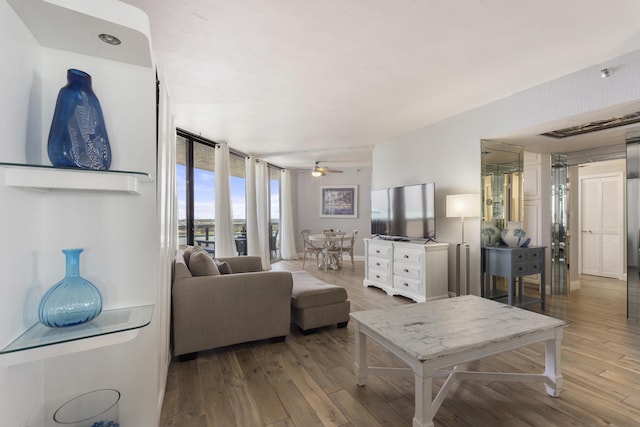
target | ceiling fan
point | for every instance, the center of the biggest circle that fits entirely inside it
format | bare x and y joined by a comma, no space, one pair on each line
322,171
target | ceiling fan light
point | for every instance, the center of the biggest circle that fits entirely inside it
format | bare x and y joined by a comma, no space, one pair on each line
316,173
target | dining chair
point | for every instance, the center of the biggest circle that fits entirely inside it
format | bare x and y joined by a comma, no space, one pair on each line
349,249
333,245
309,248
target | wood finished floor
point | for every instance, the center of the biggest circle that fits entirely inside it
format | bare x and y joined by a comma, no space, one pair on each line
308,380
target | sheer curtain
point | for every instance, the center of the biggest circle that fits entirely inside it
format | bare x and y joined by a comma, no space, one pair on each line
253,240
225,241
287,227
262,212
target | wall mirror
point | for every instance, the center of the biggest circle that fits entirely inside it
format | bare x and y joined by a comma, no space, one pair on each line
502,188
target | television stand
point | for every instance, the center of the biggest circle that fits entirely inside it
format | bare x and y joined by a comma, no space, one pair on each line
411,269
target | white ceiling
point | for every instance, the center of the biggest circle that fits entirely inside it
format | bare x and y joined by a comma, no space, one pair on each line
302,80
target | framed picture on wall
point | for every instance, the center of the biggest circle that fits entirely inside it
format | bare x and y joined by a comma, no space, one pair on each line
339,201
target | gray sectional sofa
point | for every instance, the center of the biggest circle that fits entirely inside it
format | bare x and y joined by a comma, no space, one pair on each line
218,310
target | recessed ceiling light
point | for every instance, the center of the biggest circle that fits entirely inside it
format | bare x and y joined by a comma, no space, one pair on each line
109,39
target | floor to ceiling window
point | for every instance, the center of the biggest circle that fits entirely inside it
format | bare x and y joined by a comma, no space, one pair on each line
195,171
195,160
181,184
239,201
204,194
274,214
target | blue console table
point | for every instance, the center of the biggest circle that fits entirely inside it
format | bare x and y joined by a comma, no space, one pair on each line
512,263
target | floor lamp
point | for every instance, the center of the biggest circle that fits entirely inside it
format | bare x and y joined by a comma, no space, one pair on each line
462,206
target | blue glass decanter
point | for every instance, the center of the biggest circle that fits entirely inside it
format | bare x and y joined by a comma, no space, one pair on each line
78,137
71,301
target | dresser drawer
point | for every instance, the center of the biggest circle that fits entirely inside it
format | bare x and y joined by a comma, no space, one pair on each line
406,255
519,269
407,270
526,255
534,267
378,276
534,254
378,264
518,255
407,284
383,251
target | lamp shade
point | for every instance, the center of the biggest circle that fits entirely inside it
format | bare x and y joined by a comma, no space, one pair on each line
463,205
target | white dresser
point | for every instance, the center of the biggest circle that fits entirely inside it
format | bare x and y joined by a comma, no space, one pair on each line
414,270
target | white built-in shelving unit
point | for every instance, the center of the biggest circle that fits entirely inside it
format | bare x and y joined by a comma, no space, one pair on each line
112,214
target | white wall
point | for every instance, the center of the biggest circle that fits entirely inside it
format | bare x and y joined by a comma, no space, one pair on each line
448,152
306,194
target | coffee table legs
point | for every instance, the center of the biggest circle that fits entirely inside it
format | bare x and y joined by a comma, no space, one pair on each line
426,406
360,364
552,369
425,410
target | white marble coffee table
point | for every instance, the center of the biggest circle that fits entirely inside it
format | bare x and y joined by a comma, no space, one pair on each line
435,336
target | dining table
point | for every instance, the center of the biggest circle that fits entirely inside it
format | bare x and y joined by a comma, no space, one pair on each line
331,262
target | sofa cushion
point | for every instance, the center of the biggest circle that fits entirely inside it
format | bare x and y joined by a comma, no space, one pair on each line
187,254
311,292
223,267
201,264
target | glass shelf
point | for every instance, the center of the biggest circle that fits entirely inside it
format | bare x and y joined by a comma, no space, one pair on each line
109,322
45,178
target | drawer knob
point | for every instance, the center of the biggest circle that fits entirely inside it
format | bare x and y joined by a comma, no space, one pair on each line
406,270
377,251
406,284
406,256
377,276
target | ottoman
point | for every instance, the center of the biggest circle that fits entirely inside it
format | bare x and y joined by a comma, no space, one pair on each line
315,303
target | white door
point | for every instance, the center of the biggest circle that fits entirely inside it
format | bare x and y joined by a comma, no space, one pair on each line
601,225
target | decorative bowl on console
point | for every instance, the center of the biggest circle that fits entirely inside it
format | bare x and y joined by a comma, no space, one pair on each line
514,236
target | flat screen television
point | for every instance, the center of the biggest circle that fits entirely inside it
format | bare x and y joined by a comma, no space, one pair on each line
404,213
380,212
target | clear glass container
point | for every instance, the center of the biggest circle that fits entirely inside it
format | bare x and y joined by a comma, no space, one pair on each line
98,408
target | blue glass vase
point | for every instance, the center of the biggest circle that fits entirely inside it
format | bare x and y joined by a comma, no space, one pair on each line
71,301
78,137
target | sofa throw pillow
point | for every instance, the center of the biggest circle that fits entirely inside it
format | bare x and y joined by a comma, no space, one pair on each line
188,251
223,266
201,264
